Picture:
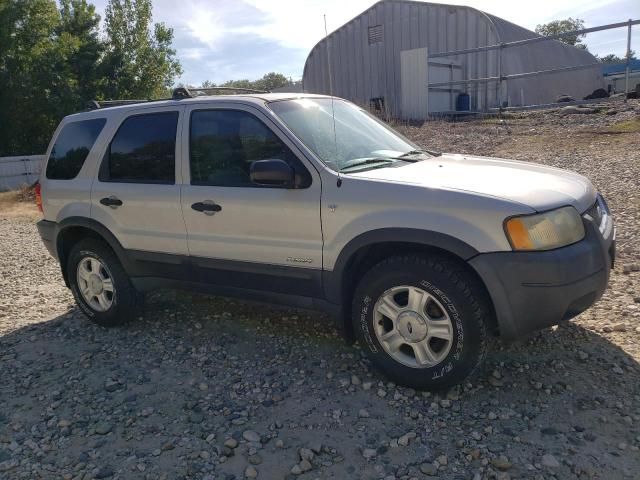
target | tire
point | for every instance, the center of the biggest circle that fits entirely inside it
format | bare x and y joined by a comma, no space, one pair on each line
437,344
121,304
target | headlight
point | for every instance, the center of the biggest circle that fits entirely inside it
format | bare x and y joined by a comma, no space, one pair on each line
545,231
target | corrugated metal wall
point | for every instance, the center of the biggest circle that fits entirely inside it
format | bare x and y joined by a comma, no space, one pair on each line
362,71
18,171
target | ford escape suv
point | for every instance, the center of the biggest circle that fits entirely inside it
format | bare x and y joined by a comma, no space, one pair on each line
309,201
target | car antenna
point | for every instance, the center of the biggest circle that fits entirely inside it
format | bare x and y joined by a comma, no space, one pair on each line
333,110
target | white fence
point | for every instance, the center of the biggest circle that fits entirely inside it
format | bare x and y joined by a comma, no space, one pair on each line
18,171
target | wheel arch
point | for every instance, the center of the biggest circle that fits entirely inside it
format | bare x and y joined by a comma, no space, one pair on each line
366,250
73,229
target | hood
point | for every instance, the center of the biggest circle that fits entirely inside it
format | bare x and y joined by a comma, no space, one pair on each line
537,186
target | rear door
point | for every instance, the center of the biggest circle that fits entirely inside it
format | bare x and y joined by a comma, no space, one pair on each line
136,193
262,238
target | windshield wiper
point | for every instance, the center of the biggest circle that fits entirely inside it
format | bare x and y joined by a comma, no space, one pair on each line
418,152
367,161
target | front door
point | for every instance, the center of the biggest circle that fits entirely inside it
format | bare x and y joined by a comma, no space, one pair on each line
246,235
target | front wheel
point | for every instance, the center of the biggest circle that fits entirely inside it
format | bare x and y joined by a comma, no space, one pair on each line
100,285
422,320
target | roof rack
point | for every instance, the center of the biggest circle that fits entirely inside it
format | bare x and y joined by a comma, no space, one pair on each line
184,92
96,104
178,93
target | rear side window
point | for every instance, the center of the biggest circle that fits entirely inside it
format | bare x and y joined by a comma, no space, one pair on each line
72,147
143,150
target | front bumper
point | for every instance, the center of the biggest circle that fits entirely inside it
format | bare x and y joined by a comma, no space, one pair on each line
534,290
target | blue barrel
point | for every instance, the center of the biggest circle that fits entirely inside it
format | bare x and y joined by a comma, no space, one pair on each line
463,102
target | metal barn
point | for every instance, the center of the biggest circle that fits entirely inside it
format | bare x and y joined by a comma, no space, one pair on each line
381,56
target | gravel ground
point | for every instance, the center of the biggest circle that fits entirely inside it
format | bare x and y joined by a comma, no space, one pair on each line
207,388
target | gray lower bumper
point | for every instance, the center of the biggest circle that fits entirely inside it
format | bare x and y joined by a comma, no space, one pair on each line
47,232
534,290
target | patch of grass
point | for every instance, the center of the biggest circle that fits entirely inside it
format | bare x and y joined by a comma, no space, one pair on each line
18,203
629,126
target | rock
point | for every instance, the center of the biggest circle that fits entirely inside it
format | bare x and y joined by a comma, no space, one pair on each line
363,413
382,393
564,98
501,463
495,382
305,465
355,380
305,454
429,469
279,443
102,428
104,472
111,386
251,472
406,438
549,461
316,447
255,459
231,443
442,460
369,453
251,436
168,446
296,469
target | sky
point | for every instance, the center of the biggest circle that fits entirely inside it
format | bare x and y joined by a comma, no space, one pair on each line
221,40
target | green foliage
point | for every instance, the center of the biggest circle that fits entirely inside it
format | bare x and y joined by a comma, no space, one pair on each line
613,58
139,62
562,26
52,60
268,82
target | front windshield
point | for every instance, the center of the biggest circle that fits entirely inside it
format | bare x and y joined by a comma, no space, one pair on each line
359,138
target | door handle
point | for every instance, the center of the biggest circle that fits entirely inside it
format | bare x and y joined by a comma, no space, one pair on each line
207,207
112,202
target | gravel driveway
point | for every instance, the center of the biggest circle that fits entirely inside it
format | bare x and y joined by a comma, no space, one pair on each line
207,388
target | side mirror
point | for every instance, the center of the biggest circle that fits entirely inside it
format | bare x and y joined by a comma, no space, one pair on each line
272,173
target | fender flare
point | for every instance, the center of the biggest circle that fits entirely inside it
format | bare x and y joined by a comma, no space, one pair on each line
334,280
100,230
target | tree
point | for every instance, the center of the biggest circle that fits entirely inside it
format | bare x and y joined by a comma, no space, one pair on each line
139,61
613,58
26,30
77,51
269,81
53,60
562,26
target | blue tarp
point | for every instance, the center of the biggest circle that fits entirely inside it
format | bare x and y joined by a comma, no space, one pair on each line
615,68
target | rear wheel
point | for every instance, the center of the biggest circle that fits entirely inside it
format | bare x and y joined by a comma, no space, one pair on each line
100,285
422,320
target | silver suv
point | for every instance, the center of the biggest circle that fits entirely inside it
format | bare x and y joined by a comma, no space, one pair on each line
309,201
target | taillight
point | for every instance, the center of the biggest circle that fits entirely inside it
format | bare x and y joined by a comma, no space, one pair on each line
38,196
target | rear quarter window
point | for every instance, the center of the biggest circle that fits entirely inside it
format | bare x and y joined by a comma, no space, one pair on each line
71,148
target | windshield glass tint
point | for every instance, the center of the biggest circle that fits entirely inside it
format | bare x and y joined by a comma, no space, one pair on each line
358,135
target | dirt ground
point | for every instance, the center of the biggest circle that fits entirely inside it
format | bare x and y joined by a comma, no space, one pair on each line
208,388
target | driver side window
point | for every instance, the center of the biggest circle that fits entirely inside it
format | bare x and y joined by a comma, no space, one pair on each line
224,143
